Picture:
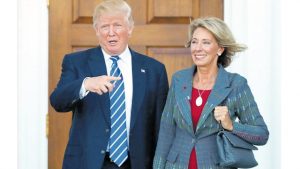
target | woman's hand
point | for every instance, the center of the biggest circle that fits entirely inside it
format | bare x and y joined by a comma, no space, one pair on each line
221,114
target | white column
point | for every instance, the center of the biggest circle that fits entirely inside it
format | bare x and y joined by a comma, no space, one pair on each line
32,83
8,85
257,24
290,61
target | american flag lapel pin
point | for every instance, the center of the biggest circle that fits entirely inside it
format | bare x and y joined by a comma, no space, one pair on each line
143,71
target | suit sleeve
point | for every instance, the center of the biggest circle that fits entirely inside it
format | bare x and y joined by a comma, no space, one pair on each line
66,93
166,132
251,126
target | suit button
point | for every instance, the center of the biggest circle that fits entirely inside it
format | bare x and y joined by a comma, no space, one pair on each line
107,130
103,152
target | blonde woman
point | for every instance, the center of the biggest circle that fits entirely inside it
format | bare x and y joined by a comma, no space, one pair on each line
202,97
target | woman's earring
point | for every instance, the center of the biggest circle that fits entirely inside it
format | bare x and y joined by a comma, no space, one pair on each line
219,54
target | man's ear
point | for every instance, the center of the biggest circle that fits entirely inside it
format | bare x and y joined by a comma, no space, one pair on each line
96,31
130,30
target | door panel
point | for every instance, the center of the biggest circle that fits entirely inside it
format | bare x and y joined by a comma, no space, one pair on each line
160,32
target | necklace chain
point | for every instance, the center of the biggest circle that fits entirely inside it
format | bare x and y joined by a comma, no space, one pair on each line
199,99
200,95
204,88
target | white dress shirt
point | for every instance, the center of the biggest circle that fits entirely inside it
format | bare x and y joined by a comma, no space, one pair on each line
125,66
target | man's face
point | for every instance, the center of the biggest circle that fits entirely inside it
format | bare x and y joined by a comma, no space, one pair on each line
113,32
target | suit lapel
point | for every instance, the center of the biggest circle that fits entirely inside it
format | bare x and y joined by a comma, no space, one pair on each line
139,73
218,94
183,90
97,67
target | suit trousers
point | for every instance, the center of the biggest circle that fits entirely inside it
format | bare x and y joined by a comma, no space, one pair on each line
108,164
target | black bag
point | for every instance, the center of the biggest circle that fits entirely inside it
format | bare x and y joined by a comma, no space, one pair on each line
234,151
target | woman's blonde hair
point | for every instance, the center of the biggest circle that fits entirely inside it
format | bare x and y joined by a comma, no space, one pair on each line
222,34
112,6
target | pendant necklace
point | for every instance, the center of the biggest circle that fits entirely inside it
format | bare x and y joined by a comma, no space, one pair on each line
199,99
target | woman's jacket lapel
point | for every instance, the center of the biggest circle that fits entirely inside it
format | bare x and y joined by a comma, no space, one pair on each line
183,90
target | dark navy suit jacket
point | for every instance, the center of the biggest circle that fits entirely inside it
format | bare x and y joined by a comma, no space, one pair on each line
90,130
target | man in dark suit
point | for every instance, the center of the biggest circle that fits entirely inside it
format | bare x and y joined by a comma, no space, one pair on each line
108,83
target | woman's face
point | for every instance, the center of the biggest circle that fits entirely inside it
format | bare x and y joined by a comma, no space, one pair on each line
204,48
